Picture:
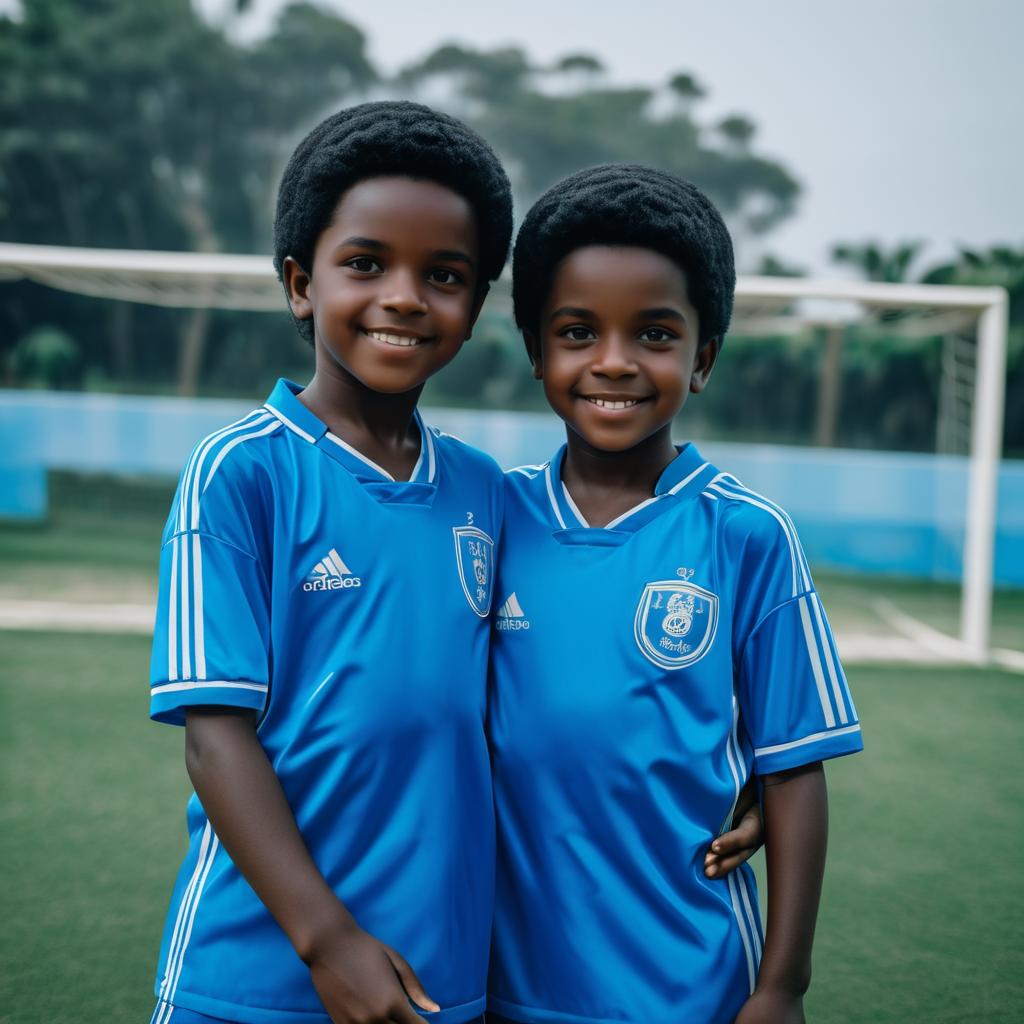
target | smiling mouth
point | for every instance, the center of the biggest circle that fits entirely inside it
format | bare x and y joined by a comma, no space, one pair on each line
614,405
398,340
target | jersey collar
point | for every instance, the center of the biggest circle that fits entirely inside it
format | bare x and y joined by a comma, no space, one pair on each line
285,405
683,477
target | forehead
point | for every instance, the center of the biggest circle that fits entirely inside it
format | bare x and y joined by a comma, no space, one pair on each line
399,210
600,275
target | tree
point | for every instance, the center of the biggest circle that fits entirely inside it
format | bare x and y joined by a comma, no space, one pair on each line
142,126
543,137
738,131
875,262
687,91
580,62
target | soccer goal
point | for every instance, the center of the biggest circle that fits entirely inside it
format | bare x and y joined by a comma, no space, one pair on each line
969,323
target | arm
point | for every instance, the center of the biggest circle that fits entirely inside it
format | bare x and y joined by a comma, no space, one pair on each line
731,849
796,835
359,980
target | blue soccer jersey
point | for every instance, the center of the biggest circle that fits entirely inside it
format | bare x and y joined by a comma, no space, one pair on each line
640,673
350,611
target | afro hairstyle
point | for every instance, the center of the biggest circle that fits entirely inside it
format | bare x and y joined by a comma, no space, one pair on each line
389,138
629,205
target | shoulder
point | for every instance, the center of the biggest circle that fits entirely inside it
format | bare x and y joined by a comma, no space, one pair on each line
758,538
464,457
243,437
526,479
748,517
226,464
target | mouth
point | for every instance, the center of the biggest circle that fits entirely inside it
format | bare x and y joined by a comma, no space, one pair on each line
397,340
612,404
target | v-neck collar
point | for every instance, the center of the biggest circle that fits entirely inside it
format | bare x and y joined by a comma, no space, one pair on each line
683,476
285,405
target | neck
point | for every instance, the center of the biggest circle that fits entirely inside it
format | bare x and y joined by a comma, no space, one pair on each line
633,472
353,412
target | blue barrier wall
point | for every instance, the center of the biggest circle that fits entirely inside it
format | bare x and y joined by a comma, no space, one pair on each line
873,512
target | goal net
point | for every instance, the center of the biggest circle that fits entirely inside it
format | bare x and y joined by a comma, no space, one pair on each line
888,528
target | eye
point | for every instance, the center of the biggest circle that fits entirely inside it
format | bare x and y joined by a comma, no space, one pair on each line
442,275
656,335
578,332
363,265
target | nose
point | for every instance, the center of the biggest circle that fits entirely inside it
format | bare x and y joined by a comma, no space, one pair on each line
613,357
402,294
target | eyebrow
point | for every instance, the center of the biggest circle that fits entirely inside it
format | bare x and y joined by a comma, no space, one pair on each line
358,242
583,314
656,313
453,255
661,313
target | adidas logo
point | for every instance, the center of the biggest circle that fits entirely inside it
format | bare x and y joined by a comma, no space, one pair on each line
331,573
511,615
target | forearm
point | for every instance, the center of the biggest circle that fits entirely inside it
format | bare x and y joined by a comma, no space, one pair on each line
796,836
243,799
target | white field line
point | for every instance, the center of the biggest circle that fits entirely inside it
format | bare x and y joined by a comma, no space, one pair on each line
77,617
938,648
919,644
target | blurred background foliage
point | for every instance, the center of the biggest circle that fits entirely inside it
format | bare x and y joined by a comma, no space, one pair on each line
147,126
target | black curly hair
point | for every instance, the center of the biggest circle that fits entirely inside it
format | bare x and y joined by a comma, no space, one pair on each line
389,138
627,204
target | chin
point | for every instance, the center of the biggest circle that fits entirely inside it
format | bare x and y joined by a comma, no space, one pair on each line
607,440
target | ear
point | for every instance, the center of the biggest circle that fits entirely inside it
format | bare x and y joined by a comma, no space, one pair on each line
533,349
703,364
478,304
296,286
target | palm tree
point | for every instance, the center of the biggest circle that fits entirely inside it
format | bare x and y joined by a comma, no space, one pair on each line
687,91
737,131
875,262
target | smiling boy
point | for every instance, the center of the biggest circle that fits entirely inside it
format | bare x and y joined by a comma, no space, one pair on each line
676,646
322,627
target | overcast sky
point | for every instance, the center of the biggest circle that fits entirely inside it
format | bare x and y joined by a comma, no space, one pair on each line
901,118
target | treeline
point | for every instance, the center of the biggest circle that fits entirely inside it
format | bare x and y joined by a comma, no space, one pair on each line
132,125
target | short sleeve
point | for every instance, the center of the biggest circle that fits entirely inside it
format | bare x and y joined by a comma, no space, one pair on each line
211,640
794,697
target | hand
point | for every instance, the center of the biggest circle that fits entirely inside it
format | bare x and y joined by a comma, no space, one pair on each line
772,1006
731,849
362,981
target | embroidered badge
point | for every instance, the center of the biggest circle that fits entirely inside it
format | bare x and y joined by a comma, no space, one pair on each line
474,555
675,623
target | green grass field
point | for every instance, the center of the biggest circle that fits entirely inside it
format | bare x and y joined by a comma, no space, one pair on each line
921,918
923,907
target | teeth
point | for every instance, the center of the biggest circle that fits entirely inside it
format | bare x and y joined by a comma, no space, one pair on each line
394,339
602,403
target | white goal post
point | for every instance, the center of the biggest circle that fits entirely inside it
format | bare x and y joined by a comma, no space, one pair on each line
222,281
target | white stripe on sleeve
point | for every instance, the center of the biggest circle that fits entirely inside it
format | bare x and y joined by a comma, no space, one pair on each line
829,661
172,615
812,653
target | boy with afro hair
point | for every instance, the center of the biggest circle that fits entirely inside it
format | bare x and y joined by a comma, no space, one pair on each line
659,643
322,628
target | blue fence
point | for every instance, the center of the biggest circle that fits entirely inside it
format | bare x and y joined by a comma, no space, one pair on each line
873,512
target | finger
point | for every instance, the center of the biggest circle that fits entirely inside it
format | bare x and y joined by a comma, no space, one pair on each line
413,989
726,843
751,824
727,864
403,1013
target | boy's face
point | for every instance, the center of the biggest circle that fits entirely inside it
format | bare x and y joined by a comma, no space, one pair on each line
393,287
617,349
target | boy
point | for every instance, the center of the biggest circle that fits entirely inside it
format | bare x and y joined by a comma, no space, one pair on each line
659,639
322,630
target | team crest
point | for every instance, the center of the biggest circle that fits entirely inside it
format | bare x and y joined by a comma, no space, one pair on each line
474,553
675,623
